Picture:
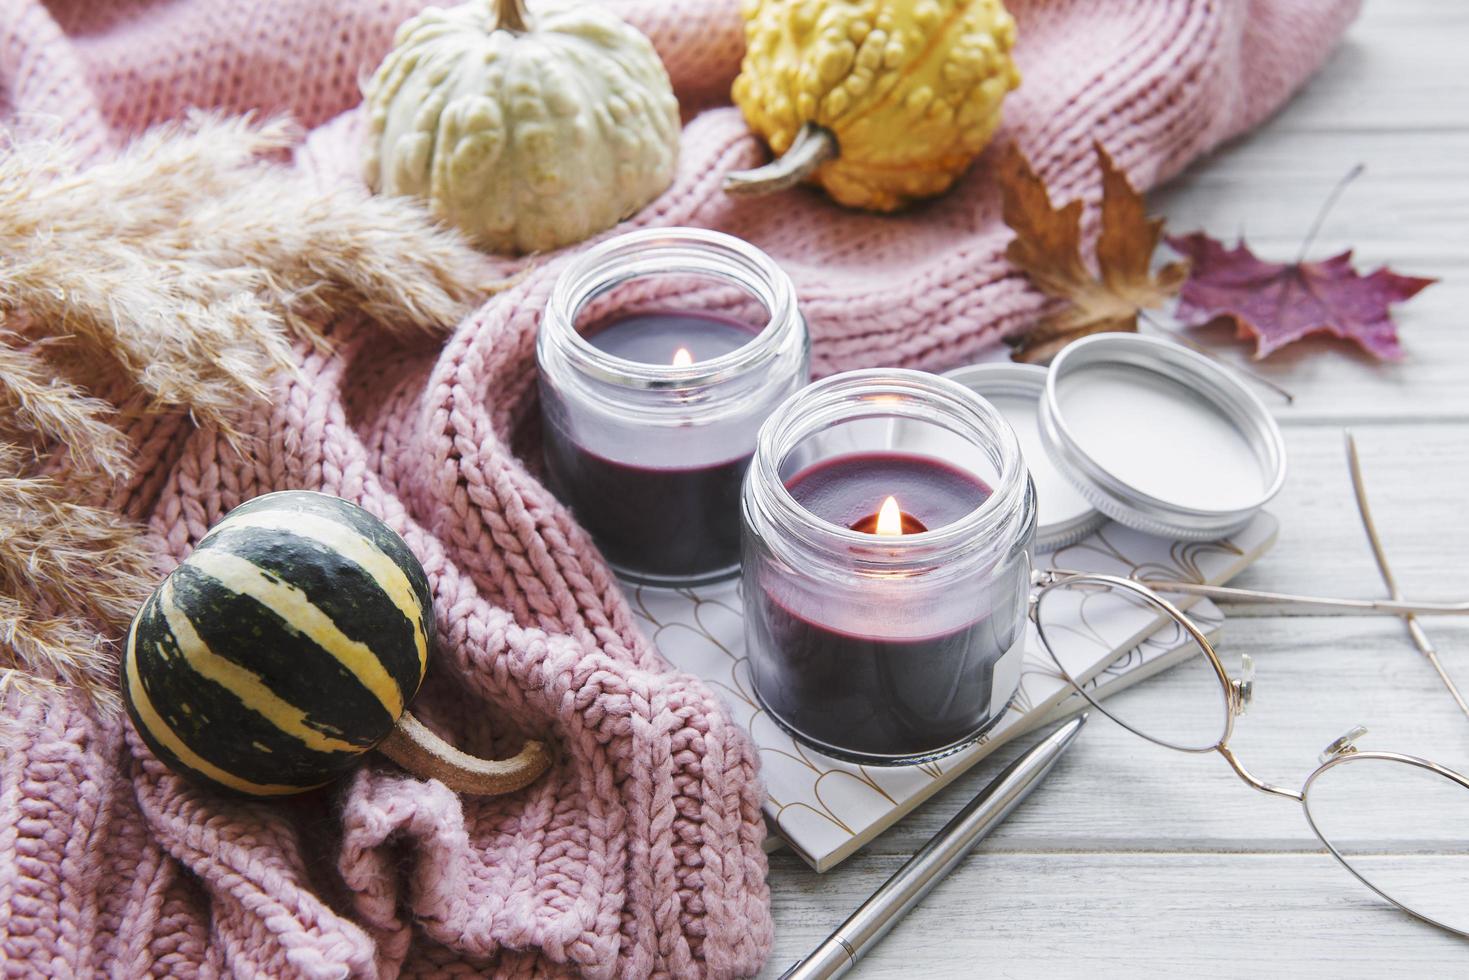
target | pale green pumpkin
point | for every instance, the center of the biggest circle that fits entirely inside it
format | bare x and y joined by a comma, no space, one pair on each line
527,130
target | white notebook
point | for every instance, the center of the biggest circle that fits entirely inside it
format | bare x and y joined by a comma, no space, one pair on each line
826,809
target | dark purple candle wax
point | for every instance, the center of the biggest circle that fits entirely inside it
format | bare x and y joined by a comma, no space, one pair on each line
850,490
843,675
657,521
657,337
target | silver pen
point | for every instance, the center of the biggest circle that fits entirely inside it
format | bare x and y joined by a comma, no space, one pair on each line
854,938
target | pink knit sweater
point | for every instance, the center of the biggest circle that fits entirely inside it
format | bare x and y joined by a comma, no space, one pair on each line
640,853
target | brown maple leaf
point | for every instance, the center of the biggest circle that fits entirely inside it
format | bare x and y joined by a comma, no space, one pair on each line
1047,248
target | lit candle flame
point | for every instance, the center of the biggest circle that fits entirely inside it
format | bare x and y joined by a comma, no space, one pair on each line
889,518
682,357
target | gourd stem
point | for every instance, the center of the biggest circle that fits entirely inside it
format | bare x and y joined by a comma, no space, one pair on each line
415,748
813,146
510,16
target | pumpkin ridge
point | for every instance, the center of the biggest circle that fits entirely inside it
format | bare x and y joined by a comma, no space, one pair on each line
352,544
174,629
170,634
342,512
584,129
242,630
342,590
216,726
930,45
242,577
169,747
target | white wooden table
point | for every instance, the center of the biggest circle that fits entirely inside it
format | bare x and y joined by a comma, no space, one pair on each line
1136,861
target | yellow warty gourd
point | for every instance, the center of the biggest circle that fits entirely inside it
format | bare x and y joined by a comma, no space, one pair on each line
881,102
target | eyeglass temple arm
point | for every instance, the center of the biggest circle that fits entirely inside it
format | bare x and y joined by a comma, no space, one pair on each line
1387,607
1415,631
1395,606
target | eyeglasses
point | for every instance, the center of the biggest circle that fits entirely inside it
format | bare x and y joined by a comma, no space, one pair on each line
1355,799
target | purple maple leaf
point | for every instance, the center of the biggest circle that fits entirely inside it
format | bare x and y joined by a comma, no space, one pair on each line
1278,303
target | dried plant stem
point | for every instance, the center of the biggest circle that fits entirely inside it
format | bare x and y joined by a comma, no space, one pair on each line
1326,206
186,266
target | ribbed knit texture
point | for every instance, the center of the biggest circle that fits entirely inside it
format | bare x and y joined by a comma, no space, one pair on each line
640,852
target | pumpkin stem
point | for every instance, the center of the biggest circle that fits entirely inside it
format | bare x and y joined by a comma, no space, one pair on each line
510,16
813,146
415,748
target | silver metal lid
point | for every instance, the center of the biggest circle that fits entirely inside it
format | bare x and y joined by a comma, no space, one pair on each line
1065,515
1158,437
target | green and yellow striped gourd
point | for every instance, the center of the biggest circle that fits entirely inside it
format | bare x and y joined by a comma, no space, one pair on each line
289,643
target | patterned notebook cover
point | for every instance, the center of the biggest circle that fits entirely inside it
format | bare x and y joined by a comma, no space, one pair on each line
826,809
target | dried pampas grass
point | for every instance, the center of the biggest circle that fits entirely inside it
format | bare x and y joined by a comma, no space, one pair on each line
189,259
71,576
48,412
184,266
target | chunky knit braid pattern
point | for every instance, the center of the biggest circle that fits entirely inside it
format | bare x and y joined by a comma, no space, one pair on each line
640,853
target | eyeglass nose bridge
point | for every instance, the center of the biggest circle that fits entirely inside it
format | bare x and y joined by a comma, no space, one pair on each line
1344,744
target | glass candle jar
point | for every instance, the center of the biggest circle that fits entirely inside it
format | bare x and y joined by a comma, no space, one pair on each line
660,354
888,522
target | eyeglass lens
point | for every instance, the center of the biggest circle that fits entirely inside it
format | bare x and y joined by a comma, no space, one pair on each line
1193,715
1398,826
1401,828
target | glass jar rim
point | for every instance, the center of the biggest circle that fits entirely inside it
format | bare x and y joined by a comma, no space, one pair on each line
636,254
812,408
